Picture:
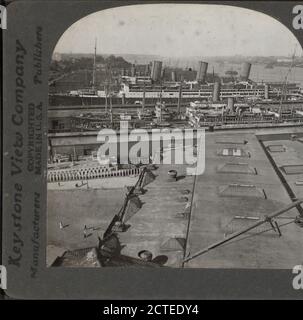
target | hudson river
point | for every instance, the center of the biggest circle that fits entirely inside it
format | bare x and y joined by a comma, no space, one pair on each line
259,72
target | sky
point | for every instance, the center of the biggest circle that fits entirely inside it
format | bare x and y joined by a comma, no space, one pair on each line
179,30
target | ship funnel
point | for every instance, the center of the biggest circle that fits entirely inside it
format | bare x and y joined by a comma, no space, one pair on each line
156,70
173,76
266,91
245,71
162,73
133,70
202,69
230,104
216,91
147,72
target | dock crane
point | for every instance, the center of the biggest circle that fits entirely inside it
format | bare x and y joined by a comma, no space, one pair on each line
131,203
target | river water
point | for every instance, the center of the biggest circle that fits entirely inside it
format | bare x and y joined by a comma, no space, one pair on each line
260,73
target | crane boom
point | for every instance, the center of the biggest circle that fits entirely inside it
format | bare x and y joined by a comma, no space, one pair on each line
237,234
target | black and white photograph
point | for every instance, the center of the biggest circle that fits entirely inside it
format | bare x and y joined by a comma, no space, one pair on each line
175,140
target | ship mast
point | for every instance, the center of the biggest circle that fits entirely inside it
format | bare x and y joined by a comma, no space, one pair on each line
160,94
110,96
105,91
179,97
283,89
94,67
143,99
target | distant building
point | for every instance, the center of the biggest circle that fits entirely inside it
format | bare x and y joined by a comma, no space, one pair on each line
57,56
284,60
100,66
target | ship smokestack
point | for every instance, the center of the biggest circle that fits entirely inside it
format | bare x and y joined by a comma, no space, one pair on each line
216,91
133,70
230,104
266,91
173,76
202,69
147,72
156,70
162,73
245,71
